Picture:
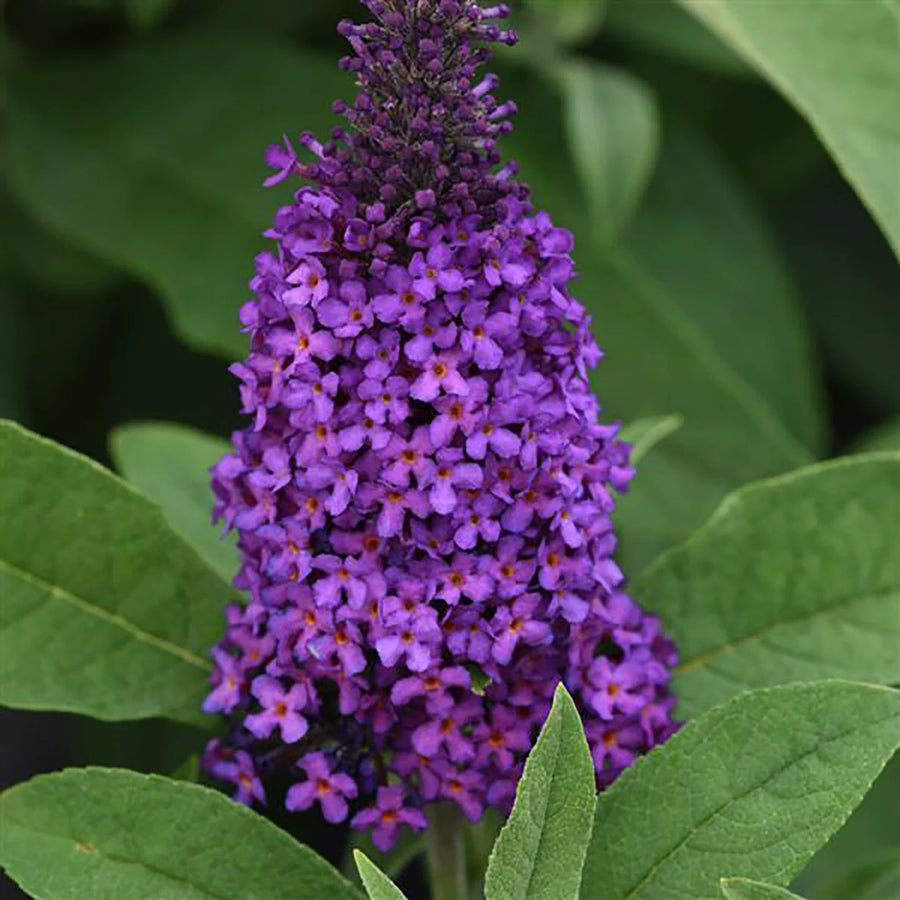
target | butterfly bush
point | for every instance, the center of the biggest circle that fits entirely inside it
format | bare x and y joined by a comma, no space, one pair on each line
423,495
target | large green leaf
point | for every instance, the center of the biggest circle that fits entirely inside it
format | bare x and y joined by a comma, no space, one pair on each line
671,32
659,359
750,789
700,234
378,886
540,850
162,147
105,610
170,465
792,579
745,889
839,65
112,834
613,132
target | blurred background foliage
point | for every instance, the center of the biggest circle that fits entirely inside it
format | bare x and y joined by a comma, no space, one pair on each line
732,179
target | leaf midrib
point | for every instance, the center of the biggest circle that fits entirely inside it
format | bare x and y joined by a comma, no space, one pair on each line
730,382
116,621
116,860
544,807
705,658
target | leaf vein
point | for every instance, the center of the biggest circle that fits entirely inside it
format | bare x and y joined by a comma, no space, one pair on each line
704,659
117,621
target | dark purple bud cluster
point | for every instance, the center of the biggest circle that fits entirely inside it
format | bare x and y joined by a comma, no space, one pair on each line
423,496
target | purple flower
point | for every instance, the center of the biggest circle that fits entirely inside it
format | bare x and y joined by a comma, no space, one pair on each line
436,687
410,634
446,732
480,333
228,677
435,270
283,158
477,521
423,492
302,340
350,315
616,689
235,767
411,459
465,788
401,302
455,413
439,374
342,579
386,816
385,401
331,790
342,642
492,436
450,473
515,623
311,284
280,710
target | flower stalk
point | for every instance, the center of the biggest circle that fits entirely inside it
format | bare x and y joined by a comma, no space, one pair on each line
446,853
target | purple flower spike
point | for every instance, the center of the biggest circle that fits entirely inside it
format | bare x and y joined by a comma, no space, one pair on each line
423,492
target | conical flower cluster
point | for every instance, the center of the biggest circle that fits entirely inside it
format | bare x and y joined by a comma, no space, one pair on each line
423,494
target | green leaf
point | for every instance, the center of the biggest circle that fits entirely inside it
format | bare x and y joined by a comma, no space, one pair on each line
378,885
670,32
568,21
840,68
170,465
393,863
162,175
750,789
884,437
540,850
745,889
613,132
792,579
700,234
105,610
645,434
730,435
112,834
659,359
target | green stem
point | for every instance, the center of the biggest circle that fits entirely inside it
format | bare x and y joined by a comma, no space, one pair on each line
446,852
